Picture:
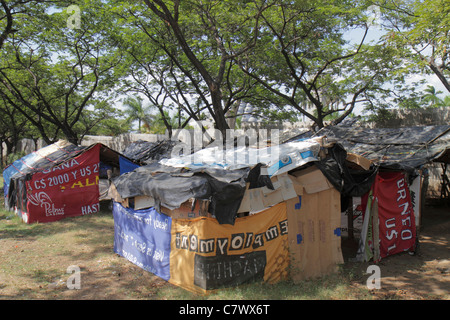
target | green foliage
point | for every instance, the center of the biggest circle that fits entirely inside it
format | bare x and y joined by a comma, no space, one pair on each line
420,31
55,76
194,59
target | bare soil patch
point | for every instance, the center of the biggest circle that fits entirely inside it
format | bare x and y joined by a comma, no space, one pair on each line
424,275
34,261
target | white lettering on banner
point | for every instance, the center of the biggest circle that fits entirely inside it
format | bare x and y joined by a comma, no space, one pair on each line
141,246
236,241
133,259
391,223
158,256
42,199
89,209
65,165
163,225
69,179
157,224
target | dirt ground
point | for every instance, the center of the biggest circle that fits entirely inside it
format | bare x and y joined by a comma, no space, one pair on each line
425,275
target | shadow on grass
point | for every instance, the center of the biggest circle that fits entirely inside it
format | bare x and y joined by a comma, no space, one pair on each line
95,230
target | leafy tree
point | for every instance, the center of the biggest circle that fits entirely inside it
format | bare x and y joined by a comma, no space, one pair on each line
137,111
420,30
53,75
198,39
301,56
431,98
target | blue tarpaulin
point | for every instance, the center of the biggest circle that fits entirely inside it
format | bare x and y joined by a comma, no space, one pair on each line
126,165
143,238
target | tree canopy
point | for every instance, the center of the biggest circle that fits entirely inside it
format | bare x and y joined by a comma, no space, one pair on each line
66,66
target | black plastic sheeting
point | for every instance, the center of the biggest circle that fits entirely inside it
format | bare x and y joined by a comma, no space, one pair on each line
146,152
398,149
391,148
170,187
349,182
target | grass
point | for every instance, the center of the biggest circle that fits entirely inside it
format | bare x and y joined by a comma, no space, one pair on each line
34,259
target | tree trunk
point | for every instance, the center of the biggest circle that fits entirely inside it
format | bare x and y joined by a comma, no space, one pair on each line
219,115
440,75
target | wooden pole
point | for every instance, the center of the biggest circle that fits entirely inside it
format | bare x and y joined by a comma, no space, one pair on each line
376,231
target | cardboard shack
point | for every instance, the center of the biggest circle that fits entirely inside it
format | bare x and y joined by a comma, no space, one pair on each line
204,224
391,210
60,180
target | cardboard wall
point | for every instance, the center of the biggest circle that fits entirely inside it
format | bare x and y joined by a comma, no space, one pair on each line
314,227
297,232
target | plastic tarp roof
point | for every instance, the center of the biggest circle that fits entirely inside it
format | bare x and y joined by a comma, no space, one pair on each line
43,158
395,148
207,174
277,159
146,152
46,158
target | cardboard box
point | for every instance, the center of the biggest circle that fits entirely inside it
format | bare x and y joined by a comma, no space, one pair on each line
257,199
193,208
312,179
143,202
358,160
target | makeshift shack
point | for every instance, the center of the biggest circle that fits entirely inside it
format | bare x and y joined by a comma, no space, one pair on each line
207,225
60,180
392,208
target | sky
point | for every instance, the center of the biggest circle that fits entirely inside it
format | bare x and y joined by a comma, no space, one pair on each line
374,34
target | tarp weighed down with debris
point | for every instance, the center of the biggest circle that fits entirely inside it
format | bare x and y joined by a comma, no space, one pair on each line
393,148
171,182
277,158
60,180
43,158
146,152
171,189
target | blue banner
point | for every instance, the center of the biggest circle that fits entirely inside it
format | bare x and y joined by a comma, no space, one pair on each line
143,237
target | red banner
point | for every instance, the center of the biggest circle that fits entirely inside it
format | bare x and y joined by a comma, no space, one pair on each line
397,229
70,189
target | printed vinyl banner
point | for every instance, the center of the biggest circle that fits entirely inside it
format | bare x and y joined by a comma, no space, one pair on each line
201,254
70,189
206,255
397,230
143,237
